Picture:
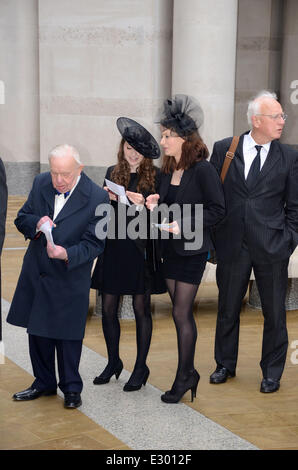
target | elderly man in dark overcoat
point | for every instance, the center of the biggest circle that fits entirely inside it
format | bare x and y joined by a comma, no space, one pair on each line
52,295
3,208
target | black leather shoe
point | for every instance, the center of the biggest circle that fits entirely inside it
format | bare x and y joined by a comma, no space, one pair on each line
269,385
31,394
220,375
72,400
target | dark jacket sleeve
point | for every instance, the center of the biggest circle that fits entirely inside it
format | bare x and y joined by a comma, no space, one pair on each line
3,203
91,245
213,196
219,152
291,198
208,184
108,174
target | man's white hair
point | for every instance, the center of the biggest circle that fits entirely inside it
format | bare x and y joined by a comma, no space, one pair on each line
254,104
63,150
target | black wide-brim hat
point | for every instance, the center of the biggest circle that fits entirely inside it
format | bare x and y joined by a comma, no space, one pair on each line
138,137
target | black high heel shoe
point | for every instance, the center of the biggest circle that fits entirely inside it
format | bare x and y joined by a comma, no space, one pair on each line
105,377
180,388
130,386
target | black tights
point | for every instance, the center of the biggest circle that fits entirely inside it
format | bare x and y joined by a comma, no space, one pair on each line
111,328
182,296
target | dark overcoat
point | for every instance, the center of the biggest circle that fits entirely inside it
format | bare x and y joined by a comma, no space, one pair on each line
3,209
52,296
265,215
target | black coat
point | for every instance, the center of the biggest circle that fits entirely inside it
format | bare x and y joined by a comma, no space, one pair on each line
267,215
200,184
52,297
3,209
149,249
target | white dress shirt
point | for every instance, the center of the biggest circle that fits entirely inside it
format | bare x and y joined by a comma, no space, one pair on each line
250,151
60,200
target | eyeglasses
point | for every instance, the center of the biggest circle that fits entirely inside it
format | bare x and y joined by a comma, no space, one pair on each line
275,117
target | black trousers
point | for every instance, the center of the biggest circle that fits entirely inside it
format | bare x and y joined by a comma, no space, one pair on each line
42,355
232,280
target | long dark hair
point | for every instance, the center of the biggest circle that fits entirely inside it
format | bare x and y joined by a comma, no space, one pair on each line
193,150
146,172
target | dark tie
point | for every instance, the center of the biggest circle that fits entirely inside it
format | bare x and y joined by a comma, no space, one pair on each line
65,194
254,170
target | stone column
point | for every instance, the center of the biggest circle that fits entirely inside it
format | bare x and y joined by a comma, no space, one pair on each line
100,60
289,72
2,92
204,51
259,48
19,117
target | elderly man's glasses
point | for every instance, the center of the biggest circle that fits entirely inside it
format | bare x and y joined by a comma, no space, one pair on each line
275,117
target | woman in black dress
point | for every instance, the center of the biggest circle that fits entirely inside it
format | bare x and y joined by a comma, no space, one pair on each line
187,180
125,266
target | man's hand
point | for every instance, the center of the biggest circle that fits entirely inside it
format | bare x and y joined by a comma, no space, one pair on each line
43,220
58,252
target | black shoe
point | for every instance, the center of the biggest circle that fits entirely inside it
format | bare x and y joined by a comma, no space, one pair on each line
269,385
134,383
220,375
180,388
31,394
106,375
72,400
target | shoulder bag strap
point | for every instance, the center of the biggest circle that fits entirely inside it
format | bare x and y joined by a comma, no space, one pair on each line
229,157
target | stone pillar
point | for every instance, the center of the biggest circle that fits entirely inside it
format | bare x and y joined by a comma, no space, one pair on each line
289,75
100,60
204,52
2,92
259,47
19,117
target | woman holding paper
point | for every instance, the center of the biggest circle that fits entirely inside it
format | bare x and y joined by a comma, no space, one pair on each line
124,269
189,182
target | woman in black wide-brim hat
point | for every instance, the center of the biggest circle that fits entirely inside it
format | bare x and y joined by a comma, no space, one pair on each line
126,267
189,181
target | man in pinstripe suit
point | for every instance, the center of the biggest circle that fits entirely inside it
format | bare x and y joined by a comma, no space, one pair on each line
260,231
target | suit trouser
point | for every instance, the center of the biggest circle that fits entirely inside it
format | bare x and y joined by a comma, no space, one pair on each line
42,355
232,280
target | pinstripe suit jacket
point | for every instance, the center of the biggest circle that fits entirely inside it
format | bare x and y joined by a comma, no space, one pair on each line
266,216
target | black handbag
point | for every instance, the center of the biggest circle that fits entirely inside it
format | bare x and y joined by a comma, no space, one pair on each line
227,162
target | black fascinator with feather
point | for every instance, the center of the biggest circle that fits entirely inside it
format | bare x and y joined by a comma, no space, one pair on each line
182,113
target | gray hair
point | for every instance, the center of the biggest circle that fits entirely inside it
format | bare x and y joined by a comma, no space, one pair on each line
65,149
254,104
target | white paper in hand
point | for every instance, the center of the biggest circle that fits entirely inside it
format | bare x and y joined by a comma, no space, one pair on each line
119,190
47,230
